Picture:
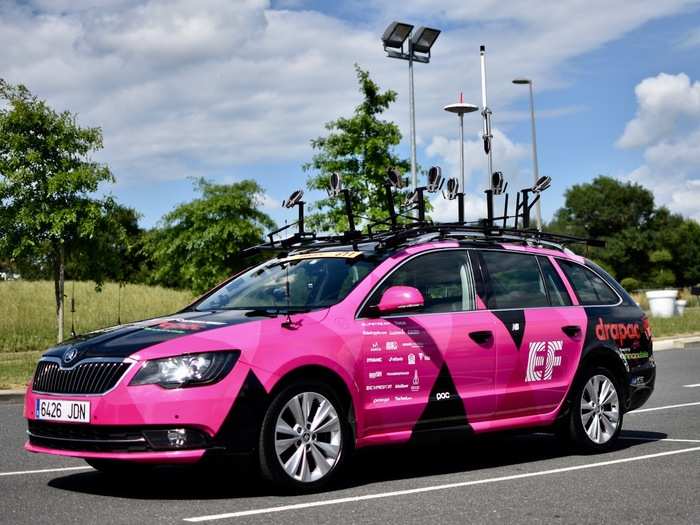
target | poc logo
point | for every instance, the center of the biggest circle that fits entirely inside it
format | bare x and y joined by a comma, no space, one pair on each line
442,396
542,360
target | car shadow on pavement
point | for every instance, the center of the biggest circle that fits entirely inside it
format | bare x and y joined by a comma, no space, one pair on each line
372,465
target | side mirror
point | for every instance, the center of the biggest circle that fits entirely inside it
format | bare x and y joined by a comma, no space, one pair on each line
400,299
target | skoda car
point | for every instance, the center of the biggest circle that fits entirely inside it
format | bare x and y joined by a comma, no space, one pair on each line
304,358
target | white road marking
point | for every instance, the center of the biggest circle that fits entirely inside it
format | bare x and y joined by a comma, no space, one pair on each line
433,488
696,385
674,440
19,472
640,410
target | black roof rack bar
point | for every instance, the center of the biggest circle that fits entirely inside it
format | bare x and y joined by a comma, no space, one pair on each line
400,234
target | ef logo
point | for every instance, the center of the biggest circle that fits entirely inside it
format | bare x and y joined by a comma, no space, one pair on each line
542,360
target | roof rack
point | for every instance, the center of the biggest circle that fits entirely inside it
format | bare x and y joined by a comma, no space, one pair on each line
406,220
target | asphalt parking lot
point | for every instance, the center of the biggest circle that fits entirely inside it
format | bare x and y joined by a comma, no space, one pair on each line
652,477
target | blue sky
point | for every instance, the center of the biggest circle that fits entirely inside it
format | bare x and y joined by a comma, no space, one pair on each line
236,89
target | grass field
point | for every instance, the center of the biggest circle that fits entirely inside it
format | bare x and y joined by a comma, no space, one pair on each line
27,317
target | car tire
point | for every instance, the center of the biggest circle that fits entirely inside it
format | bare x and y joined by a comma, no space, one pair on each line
305,437
596,415
117,468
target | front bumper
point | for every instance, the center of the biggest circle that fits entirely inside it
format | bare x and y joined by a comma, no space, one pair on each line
131,422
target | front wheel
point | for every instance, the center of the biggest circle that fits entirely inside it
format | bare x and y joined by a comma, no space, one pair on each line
305,437
596,414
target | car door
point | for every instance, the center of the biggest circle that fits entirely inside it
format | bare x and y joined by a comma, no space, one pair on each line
421,370
540,332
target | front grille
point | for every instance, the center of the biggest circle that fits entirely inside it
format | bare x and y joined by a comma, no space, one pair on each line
91,438
86,378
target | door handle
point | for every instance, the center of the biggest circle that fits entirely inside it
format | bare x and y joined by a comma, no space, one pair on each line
481,337
571,330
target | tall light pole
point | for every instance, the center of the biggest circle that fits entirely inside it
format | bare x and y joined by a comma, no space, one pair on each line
535,166
418,50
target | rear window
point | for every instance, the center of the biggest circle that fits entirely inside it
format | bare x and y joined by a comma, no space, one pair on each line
513,280
590,289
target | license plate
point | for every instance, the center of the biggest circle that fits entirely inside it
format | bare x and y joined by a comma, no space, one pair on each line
62,410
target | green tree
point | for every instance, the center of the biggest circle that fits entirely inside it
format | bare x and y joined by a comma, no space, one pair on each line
646,244
360,148
198,243
47,180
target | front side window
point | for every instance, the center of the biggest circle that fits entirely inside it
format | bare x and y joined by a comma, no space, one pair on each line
296,283
590,289
444,278
513,280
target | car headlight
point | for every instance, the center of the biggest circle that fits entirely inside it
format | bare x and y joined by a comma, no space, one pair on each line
186,370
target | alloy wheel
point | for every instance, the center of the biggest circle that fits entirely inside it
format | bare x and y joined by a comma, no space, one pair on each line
308,437
600,409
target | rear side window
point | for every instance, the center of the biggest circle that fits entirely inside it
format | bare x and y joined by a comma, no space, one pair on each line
558,296
513,280
444,278
590,289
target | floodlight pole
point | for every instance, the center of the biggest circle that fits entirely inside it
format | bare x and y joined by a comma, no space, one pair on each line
412,105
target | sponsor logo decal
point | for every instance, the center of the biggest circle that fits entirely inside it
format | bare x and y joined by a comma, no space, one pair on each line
378,387
542,359
397,374
618,332
375,375
441,396
376,347
396,359
380,400
392,345
400,386
415,384
411,359
375,359
403,398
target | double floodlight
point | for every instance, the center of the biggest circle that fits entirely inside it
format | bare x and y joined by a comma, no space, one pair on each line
294,199
419,41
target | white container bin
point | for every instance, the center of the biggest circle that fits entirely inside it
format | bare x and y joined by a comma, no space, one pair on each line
680,306
662,303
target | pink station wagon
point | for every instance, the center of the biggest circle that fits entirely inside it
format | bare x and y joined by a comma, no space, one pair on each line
324,349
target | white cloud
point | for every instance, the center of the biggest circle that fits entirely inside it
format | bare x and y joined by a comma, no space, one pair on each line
662,101
446,211
667,127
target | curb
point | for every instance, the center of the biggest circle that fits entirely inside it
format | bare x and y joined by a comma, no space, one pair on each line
8,397
691,342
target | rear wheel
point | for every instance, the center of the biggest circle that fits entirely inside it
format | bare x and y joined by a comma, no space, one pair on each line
305,437
596,414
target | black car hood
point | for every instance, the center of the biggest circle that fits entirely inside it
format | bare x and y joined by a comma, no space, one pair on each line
124,340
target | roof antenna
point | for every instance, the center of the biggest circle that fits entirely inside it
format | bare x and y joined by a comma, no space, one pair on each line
496,186
393,180
460,109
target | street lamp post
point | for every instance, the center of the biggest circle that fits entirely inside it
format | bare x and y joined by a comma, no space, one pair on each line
535,166
419,44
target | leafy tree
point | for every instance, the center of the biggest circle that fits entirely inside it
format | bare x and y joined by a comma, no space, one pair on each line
46,184
360,148
649,245
198,243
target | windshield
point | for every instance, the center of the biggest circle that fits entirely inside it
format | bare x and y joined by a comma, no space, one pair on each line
312,280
